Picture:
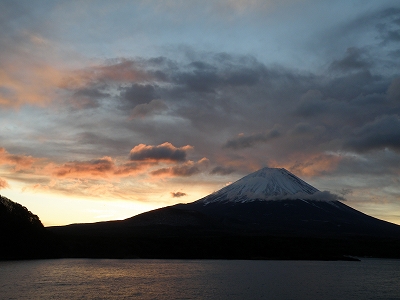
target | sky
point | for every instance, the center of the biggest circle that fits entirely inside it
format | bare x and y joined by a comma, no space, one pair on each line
112,108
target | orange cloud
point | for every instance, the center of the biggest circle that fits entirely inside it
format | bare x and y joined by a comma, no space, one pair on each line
102,176
28,84
24,81
104,168
3,184
20,162
309,165
123,71
93,168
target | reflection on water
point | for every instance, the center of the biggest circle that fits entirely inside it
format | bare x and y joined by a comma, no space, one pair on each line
199,279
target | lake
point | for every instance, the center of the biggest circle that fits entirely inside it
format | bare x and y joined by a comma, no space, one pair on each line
199,279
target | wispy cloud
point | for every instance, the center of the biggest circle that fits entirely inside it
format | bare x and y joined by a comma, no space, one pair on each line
3,184
177,194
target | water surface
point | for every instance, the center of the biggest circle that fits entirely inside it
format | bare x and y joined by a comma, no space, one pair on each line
199,279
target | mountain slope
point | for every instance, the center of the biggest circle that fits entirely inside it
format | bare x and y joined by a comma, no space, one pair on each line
265,184
275,201
270,213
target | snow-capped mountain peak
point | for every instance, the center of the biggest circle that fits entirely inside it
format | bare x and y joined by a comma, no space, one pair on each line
264,184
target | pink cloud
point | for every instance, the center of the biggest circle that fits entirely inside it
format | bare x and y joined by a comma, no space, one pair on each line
19,162
312,164
103,168
3,184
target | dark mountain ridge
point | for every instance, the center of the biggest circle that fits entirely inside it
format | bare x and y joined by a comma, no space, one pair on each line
270,213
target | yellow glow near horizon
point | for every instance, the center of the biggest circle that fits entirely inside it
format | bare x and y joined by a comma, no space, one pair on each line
54,209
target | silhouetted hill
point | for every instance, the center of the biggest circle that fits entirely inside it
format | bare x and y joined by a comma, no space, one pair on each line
22,234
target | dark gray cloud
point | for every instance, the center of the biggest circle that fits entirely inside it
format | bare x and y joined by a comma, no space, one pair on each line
394,90
222,70
374,164
139,94
304,129
179,171
348,87
252,140
101,143
311,104
384,132
200,77
353,60
221,170
211,97
163,152
87,98
389,25
147,109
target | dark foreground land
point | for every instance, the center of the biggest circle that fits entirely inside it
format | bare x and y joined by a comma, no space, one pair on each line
295,230
189,244
182,232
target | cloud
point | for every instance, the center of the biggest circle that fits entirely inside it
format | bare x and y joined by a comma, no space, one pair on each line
375,164
3,184
389,25
394,90
147,109
116,71
311,104
177,171
309,164
221,170
164,152
383,132
354,60
351,85
87,98
139,94
93,168
35,85
252,140
178,194
19,162
222,70
102,168
322,109
136,79
187,169
304,129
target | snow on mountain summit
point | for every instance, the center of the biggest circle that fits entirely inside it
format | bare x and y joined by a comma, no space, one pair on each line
264,184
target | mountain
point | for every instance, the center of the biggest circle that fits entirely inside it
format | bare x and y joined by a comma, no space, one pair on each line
275,201
268,214
264,184
269,201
